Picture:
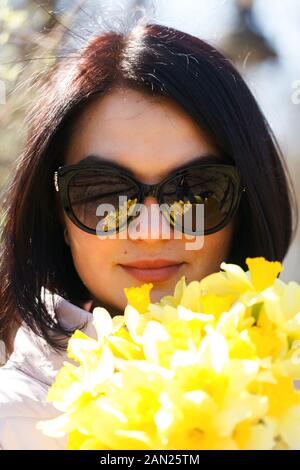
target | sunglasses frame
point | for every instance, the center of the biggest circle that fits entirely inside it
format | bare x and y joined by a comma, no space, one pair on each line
64,174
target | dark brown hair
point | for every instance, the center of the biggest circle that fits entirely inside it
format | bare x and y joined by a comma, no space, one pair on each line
156,60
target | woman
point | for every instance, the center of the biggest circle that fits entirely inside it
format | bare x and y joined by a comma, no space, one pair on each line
158,116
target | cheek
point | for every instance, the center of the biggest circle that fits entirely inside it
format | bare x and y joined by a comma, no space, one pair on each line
218,244
92,257
215,250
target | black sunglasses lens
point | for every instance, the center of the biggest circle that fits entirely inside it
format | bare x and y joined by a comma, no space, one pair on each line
102,199
210,186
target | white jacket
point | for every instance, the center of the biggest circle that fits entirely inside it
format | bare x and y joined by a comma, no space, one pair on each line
25,380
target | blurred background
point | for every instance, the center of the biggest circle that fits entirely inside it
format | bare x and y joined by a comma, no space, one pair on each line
262,38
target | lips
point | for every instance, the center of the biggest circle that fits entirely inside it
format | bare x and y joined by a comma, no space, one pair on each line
153,270
152,263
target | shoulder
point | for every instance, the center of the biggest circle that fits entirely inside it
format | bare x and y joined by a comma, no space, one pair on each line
18,389
22,404
26,377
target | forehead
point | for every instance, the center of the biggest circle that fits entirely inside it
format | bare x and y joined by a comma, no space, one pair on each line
149,135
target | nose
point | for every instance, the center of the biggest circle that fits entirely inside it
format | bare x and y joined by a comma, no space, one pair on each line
150,225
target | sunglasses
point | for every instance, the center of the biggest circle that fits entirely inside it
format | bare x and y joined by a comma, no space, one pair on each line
85,187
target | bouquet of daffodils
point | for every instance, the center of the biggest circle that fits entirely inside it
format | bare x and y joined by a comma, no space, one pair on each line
213,366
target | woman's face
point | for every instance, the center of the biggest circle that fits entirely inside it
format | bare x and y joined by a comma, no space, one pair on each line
149,136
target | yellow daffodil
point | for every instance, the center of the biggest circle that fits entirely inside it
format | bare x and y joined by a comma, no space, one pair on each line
263,273
212,366
139,297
